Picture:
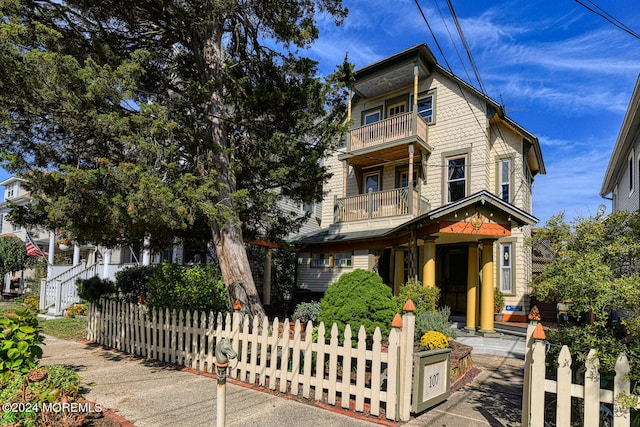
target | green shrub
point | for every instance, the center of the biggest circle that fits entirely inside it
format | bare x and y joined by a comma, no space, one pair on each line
358,298
131,282
46,384
19,340
187,288
95,288
435,320
425,298
306,311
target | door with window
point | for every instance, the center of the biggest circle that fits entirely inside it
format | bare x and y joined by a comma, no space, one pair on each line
396,126
372,185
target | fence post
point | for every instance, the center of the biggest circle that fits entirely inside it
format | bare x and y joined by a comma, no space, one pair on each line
43,294
406,361
58,306
534,318
621,412
537,378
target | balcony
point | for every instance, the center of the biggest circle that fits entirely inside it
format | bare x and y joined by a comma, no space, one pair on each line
388,138
380,204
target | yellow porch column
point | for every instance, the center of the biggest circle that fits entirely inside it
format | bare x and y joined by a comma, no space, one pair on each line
486,298
472,288
429,267
398,271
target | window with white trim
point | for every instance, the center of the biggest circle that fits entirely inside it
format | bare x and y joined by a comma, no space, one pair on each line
506,268
320,260
505,180
343,259
12,190
456,178
425,107
372,117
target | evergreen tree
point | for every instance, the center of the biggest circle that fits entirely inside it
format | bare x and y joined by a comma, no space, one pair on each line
134,119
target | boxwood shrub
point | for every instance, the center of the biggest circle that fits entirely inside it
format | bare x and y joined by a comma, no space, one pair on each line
358,298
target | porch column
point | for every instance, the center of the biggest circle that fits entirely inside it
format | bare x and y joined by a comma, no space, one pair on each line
414,112
398,272
410,177
76,254
106,259
52,252
429,266
146,252
486,297
345,173
472,288
266,282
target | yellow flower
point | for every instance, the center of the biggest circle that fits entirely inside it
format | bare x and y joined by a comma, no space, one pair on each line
432,340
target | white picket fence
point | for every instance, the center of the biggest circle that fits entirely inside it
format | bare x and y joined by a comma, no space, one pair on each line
356,376
595,405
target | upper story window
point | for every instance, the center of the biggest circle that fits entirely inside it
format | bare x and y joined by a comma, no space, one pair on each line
456,178
320,260
425,107
505,180
371,117
11,190
396,109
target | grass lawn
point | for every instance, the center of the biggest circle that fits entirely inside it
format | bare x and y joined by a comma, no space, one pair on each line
68,328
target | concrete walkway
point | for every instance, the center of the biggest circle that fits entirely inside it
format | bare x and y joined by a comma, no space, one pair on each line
151,394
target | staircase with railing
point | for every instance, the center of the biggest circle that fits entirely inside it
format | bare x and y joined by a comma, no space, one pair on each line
60,292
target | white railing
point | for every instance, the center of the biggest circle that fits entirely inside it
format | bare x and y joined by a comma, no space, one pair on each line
61,292
595,403
388,130
353,374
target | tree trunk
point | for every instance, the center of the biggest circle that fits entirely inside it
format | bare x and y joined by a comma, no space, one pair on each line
225,226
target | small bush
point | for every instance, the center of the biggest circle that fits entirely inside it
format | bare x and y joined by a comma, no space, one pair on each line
131,282
187,288
95,288
306,311
433,340
76,310
19,341
425,298
359,299
436,320
32,303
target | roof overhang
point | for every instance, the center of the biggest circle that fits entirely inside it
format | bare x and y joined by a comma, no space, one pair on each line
476,217
629,133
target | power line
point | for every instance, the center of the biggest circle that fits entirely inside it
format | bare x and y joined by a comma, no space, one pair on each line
609,18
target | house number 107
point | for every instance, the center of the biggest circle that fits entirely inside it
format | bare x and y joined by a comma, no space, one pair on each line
433,380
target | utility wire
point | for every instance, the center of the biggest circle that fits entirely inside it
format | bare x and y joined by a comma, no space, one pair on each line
608,17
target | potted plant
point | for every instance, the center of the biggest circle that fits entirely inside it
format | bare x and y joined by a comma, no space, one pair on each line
498,304
306,311
64,243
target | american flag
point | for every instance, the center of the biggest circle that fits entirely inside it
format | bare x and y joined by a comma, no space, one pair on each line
32,247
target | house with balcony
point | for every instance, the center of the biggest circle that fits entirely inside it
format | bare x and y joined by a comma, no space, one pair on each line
433,183
621,183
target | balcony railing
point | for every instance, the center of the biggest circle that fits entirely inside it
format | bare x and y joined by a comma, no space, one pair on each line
380,204
388,130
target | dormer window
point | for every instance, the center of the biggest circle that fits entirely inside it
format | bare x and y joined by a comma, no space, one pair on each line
11,190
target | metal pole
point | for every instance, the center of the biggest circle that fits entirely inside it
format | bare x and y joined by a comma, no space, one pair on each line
221,396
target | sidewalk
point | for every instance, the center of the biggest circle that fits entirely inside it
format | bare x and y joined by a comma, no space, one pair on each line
152,394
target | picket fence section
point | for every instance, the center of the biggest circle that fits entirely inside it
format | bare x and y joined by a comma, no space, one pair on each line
609,407
352,375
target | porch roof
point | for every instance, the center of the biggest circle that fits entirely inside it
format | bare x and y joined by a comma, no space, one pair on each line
483,197
488,200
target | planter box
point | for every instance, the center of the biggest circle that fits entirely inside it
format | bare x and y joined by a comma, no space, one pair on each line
431,381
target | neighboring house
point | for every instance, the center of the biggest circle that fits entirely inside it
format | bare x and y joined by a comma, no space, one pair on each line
434,184
621,182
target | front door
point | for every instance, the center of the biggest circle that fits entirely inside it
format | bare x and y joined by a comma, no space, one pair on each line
372,184
454,280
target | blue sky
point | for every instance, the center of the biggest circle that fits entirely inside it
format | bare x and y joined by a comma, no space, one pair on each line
562,72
